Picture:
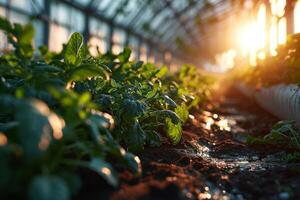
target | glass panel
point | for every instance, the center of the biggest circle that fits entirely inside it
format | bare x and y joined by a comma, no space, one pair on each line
18,18
95,43
68,17
39,33
130,12
104,4
98,28
60,13
3,39
22,4
58,36
160,18
178,5
158,58
144,18
170,29
77,21
3,43
143,53
39,3
37,6
151,58
133,45
83,2
118,36
112,8
2,12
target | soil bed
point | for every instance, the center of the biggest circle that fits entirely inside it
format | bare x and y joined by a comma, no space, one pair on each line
211,162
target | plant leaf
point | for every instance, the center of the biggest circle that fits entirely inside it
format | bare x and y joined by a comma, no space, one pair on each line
163,114
35,137
183,112
104,169
73,50
173,131
169,101
84,71
136,137
125,55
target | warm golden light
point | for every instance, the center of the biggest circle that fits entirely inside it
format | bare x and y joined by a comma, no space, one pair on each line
248,37
57,125
250,42
297,17
273,37
106,171
225,60
261,55
261,26
253,37
277,7
258,35
224,125
282,32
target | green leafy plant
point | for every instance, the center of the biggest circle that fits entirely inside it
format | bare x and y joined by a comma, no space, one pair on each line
69,110
283,133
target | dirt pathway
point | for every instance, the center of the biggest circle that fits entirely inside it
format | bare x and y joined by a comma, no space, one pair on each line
213,161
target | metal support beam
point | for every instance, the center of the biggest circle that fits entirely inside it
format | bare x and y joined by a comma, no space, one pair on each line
127,35
139,13
46,23
86,31
110,38
139,48
110,22
178,14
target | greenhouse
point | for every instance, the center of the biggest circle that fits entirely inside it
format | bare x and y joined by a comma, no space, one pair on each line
149,99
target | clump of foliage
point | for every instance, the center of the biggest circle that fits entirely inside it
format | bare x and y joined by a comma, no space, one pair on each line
69,110
285,134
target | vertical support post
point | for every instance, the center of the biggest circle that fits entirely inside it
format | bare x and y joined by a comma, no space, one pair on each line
139,48
46,30
86,31
110,37
126,43
289,14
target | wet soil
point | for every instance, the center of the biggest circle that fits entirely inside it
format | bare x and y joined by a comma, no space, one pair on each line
212,161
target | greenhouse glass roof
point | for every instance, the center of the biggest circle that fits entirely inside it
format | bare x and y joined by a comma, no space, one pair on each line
177,27
164,21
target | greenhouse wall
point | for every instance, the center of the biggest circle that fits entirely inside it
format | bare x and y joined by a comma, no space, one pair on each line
55,20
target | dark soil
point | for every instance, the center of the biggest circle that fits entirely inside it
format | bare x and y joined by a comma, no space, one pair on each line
211,162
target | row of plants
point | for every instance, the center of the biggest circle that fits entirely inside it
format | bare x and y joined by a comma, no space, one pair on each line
285,135
284,68
69,110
